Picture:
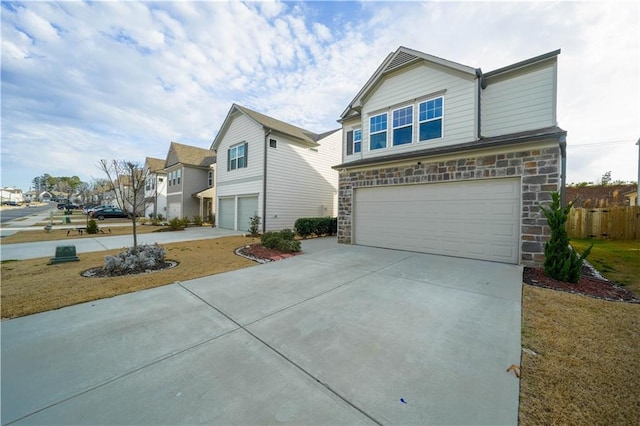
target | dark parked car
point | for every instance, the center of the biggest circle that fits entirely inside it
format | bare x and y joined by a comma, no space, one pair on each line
108,212
67,206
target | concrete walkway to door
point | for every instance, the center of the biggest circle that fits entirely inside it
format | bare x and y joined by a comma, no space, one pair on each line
339,335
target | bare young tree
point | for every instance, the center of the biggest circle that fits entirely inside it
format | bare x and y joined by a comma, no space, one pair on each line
127,181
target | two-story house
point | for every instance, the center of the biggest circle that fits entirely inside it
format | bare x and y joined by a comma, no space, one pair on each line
274,170
443,158
190,173
155,194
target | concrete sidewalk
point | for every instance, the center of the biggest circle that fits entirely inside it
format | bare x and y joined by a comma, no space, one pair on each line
339,335
87,244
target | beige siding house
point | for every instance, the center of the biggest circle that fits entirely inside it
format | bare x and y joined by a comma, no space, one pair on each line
439,157
155,195
273,169
190,183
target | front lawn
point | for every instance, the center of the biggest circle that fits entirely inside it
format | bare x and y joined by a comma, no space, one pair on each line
618,261
31,286
586,364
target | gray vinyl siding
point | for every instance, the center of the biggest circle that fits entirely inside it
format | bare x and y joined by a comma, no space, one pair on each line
301,182
408,85
520,101
193,180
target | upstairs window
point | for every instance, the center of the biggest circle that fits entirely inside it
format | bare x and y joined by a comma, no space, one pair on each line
237,156
378,131
210,178
403,125
178,175
354,141
357,140
431,119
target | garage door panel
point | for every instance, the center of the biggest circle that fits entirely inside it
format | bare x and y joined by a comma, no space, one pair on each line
247,207
476,219
226,211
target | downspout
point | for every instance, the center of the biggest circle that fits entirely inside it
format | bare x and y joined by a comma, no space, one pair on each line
267,133
563,173
481,85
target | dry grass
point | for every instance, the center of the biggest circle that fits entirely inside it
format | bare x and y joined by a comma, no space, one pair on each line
31,286
61,234
588,364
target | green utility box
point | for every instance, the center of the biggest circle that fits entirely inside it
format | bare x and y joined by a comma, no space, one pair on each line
64,254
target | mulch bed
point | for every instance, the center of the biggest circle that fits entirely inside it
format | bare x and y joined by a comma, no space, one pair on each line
101,273
262,254
589,285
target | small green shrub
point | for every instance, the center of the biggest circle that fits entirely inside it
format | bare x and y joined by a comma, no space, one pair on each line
92,227
175,224
185,222
211,218
254,225
283,241
561,262
318,226
160,217
197,220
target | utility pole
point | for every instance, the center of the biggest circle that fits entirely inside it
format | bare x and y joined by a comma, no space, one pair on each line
638,181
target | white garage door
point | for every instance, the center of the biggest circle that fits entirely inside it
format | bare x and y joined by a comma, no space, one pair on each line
473,219
174,211
247,207
226,213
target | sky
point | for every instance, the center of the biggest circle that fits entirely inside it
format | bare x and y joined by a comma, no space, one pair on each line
82,81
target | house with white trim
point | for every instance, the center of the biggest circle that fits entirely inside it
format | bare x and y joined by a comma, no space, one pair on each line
155,190
440,157
273,169
190,173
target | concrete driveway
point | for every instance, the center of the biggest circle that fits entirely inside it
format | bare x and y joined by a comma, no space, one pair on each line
339,335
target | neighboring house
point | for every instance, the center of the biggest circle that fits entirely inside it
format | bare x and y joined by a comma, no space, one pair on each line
125,199
45,196
598,196
12,195
274,170
155,190
190,186
443,158
632,198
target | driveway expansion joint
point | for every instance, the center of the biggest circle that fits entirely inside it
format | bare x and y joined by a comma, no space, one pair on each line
283,356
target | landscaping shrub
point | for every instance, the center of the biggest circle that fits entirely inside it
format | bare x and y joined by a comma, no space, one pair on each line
283,241
92,227
175,224
197,220
318,226
561,262
211,218
185,222
134,260
254,227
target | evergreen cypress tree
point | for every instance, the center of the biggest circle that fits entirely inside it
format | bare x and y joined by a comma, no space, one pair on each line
561,262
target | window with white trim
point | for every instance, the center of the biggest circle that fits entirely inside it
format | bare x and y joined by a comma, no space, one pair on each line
357,140
402,125
237,156
378,131
178,175
354,141
210,178
430,119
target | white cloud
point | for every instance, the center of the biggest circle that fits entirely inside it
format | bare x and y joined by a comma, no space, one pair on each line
84,81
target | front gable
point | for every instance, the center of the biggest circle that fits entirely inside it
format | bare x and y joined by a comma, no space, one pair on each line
417,102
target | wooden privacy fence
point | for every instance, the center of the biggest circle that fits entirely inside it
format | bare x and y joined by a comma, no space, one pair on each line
616,223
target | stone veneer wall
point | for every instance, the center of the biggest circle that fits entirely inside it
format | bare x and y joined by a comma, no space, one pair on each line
539,169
